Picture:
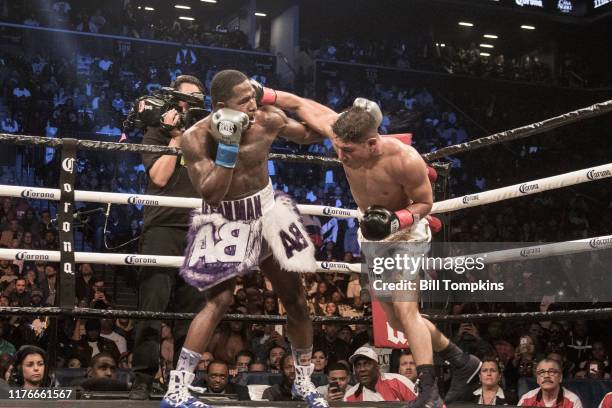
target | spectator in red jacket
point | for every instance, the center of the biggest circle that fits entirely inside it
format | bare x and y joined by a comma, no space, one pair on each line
374,385
606,402
550,393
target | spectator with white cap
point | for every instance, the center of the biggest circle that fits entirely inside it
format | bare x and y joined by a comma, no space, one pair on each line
373,384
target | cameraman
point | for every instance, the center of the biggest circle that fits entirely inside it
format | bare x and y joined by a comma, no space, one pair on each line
164,233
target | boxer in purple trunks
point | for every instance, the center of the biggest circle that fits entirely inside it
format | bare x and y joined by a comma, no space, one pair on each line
242,224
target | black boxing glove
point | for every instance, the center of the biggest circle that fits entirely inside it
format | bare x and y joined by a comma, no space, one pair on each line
263,95
378,222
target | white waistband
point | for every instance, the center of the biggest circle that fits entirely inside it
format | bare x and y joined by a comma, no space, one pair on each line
246,208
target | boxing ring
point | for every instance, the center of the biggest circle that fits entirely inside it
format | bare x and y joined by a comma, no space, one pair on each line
66,196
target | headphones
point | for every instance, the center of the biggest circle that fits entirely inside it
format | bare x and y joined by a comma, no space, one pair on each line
17,372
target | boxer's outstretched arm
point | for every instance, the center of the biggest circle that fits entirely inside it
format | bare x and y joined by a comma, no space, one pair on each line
288,128
210,181
318,117
411,171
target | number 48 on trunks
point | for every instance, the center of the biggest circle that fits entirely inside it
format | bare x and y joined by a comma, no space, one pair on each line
232,239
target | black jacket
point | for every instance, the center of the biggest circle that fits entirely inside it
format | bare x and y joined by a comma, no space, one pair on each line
240,390
278,392
503,398
179,185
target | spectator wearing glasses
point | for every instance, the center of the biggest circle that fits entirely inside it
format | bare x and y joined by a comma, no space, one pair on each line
550,393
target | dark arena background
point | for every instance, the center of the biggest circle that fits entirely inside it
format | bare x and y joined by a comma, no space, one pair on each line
508,102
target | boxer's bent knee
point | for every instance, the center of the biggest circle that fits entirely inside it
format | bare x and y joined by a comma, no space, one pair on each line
221,295
406,309
392,319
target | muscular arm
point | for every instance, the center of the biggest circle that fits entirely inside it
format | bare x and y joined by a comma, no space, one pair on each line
318,117
290,129
412,171
211,181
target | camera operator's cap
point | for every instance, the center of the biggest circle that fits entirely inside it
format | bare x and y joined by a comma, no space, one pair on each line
363,352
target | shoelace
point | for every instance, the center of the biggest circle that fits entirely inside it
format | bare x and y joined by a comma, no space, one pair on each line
417,387
199,390
185,395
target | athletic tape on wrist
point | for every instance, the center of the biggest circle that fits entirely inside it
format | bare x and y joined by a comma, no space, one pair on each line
227,155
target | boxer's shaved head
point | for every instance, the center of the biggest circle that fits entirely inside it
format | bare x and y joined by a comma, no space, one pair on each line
354,126
223,83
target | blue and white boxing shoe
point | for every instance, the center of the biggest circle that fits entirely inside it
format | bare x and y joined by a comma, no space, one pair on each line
304,388
178,394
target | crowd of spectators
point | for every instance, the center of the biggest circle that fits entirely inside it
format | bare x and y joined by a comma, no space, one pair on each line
132,21
424,54
420,51
99,352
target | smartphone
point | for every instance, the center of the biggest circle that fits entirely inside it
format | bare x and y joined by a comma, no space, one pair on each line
333,386
593,368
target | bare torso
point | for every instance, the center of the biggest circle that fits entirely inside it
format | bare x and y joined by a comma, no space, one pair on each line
380,182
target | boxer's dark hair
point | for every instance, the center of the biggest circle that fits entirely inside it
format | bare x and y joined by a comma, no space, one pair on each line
352,125
223,83
187,79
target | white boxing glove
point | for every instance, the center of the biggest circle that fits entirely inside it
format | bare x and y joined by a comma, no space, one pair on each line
227,126
370,107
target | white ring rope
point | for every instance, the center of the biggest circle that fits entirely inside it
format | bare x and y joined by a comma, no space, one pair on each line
470,200
161,261
53,194
522,189
514,254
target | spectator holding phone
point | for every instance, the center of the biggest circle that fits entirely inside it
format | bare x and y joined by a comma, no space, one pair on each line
523,362
593,370
468,339
100,299
338,376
